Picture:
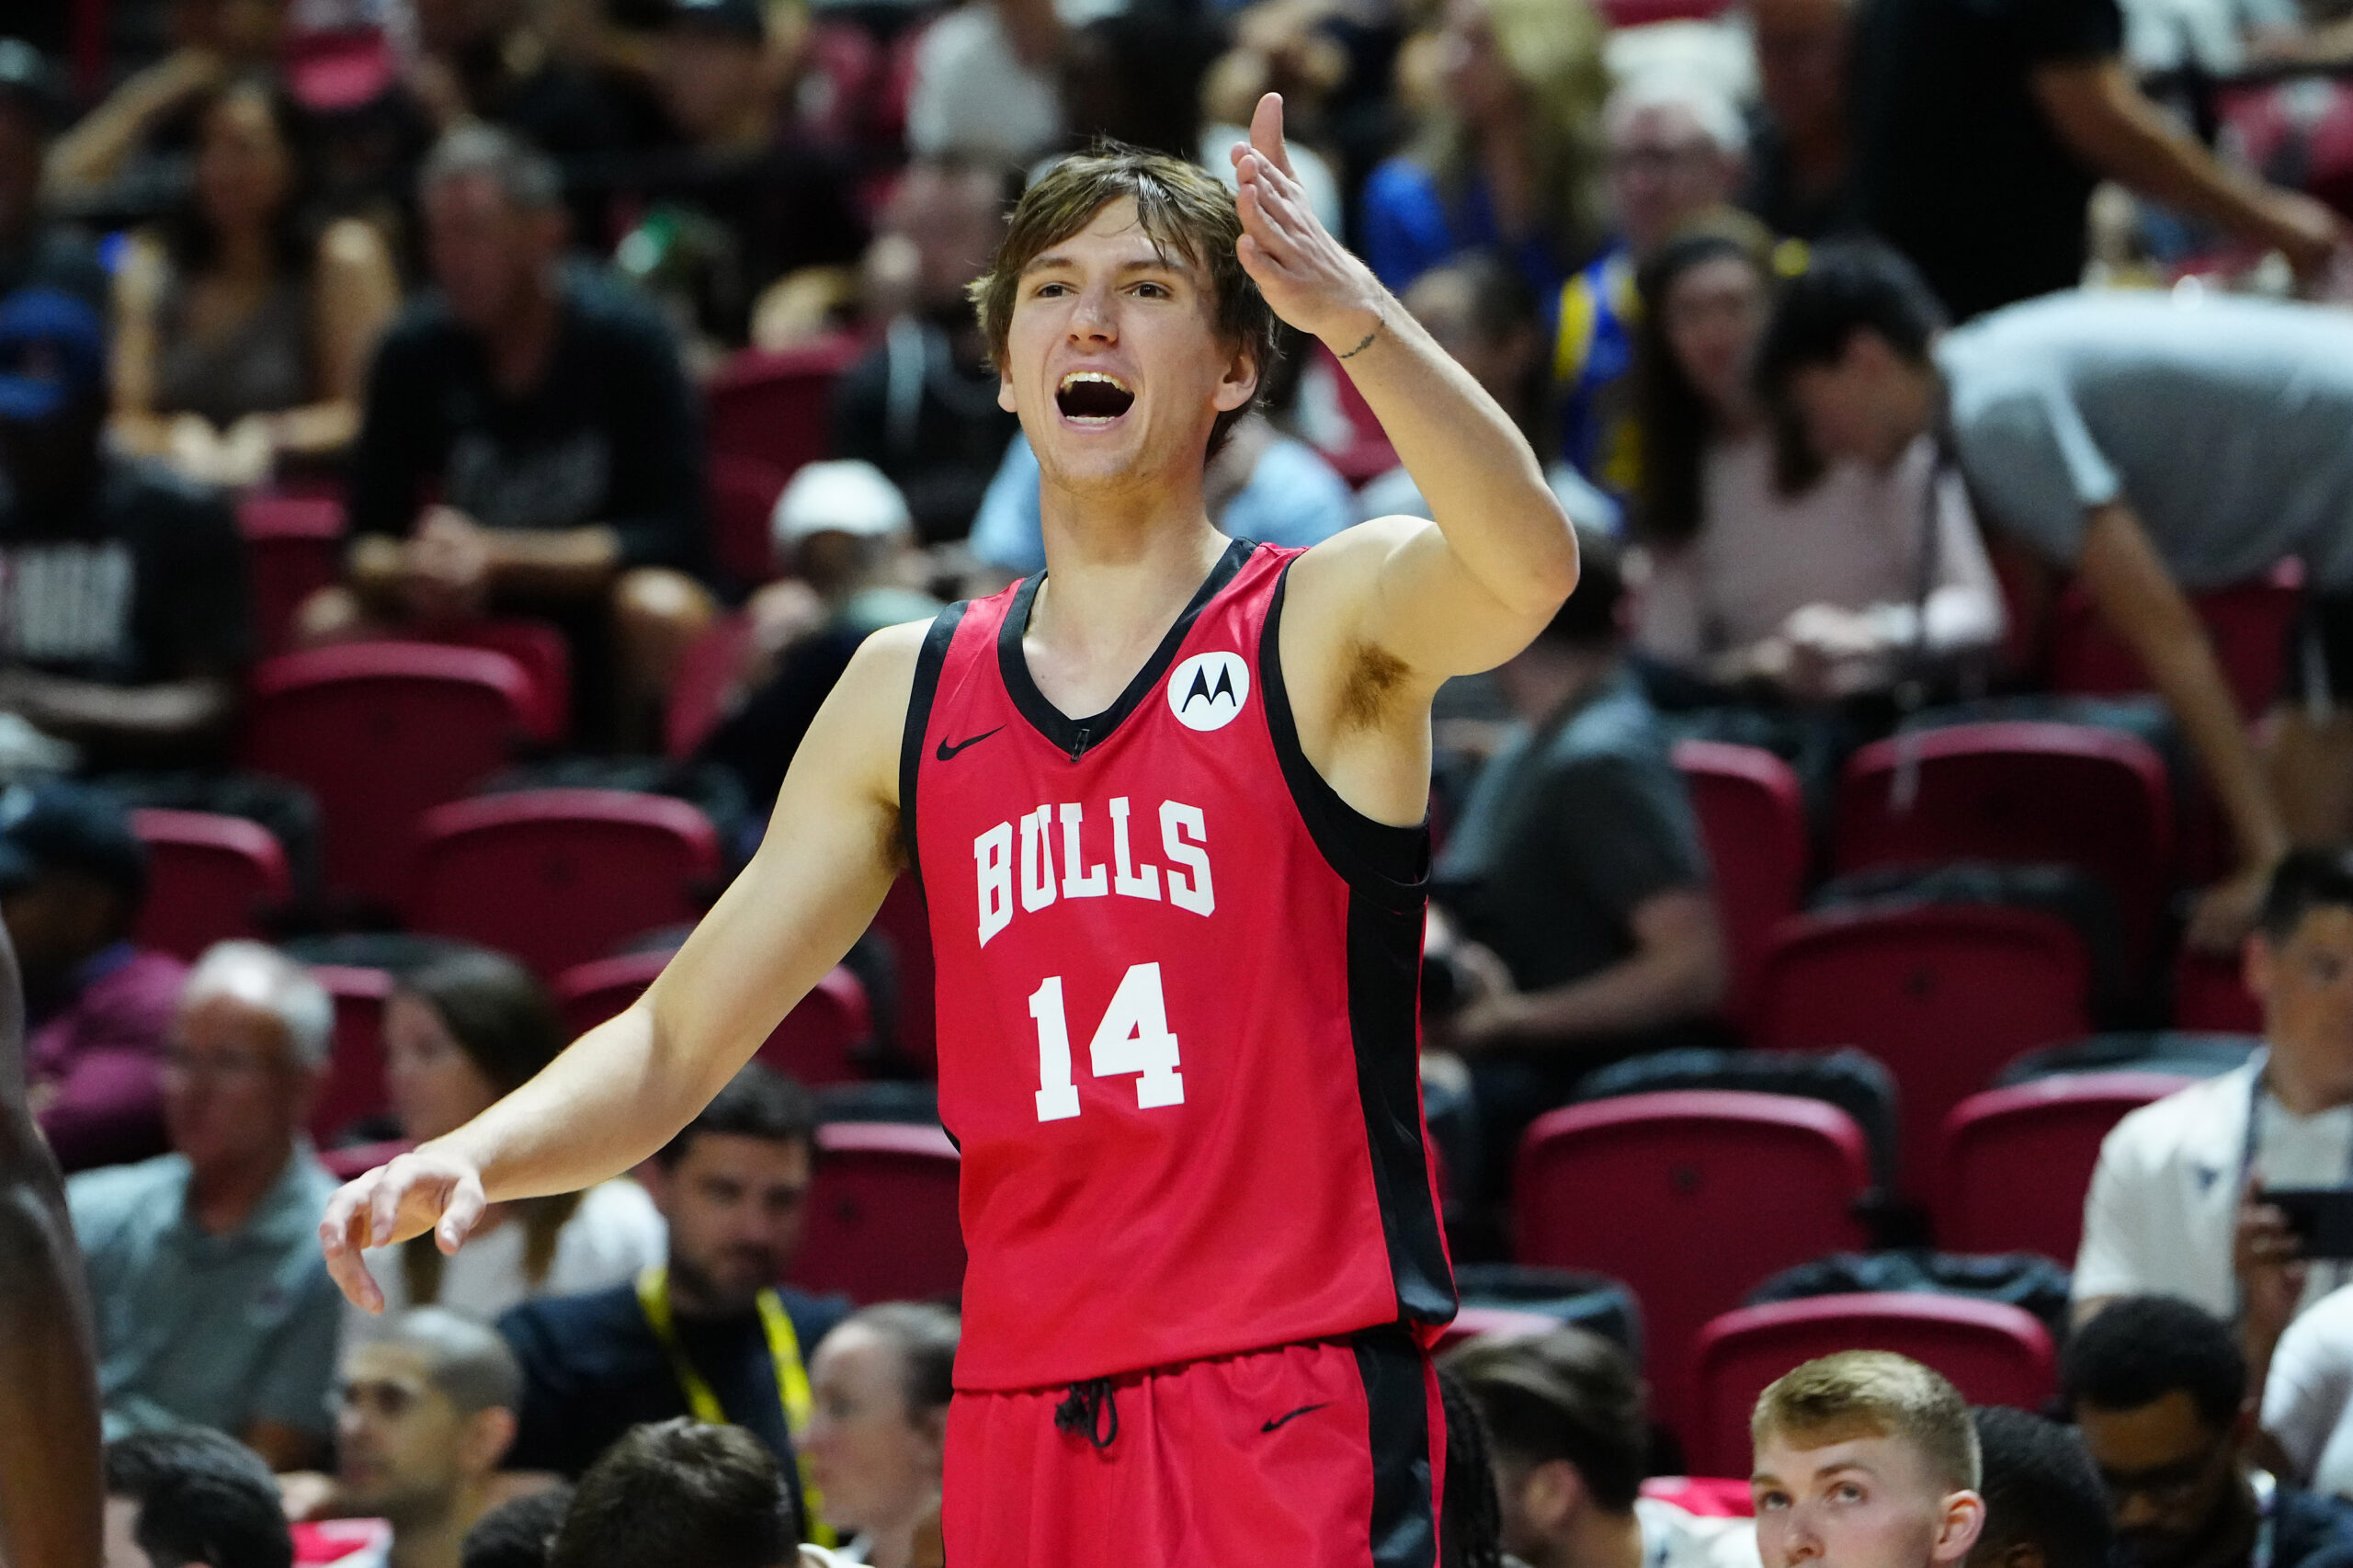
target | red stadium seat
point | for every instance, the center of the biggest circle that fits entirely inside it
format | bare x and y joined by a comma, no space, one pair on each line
1753,818
1707,1497
1499,1323
905,923
558,877
359,1159
354,1085
1692,1197
381,733
546,658
700,683
816,1043
2210,994
743,497
293,548
2018,1161
772,406
882,1214
2018,791
1945,994
208,878
1992,1352
2247,622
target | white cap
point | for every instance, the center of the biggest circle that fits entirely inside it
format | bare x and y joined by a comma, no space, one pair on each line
849,496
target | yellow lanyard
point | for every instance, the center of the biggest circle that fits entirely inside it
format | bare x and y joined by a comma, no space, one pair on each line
784,1355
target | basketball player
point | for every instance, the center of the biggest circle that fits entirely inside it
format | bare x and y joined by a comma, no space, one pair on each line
1165,801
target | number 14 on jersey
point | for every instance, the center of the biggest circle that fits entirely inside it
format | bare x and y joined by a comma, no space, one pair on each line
1132,1038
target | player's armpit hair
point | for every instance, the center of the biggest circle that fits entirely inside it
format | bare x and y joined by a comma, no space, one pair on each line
1369,689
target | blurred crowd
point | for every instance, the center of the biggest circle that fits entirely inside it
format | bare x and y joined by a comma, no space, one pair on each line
1860,339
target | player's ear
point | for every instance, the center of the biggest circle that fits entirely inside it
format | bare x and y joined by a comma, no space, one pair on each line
1963,1521
1240,383
1004,391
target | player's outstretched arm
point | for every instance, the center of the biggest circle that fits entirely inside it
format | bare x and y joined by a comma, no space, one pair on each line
626,1087
1469,591
50,1485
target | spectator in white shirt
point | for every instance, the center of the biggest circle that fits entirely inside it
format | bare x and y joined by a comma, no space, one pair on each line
2171,1209
1569,1429
458,1033
2309,1394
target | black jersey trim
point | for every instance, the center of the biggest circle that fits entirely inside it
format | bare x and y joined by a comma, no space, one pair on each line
929,661
1073,736
1378,858
1404,1526
1384,999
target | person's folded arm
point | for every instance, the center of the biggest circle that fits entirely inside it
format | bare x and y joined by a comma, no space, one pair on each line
1675,974
555,563
159,715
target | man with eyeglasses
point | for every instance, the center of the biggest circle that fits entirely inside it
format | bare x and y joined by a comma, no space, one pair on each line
2159,1388
211,1303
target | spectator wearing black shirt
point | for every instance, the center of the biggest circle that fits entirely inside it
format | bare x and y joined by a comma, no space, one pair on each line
1979,127
1576,876
2159,1390
737,202
33,249
122,590
529,444
921,404
1798,147
732,1186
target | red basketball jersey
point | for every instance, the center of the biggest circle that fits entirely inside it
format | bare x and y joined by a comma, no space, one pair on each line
1177,989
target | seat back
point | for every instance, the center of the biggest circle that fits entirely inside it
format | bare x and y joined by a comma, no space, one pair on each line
546,659
381,733
293,548
2018,791
1752,817
2247,623
558,877
2210,994
355,1083
816,1043
699,683
743,497
2018,1161
905,923
882,1214
1992,1352
1943,993
772,406
1692,1197
208,878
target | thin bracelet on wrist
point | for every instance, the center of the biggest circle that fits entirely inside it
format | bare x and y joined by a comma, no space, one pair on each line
1377,321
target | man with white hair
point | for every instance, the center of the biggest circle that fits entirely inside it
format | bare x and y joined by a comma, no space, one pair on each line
213,1306
1677,148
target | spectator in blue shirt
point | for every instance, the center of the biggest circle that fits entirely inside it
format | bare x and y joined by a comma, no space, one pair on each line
1523,84
212,1303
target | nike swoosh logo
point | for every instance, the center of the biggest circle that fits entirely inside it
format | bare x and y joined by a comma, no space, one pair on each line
948,753
1280,1421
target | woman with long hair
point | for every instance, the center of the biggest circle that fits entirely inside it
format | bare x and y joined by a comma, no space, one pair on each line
1765,573
243,328
458,1033
882,1381
1509,158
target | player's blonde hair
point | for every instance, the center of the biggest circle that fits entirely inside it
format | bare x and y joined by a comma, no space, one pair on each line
1182,209
1873,1394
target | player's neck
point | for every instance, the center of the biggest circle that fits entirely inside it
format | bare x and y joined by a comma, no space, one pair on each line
1597,1538
1112,590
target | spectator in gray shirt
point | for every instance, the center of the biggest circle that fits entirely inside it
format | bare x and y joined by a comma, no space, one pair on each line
213,1306
2153,445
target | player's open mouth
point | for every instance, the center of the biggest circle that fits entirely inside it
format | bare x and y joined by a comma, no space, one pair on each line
1093,397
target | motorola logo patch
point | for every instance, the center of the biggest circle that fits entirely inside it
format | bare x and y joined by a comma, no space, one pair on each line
1207,690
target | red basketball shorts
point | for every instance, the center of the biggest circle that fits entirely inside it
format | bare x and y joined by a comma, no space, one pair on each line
1323,1455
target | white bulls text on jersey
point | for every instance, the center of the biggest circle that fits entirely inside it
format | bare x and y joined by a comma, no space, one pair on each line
1015,862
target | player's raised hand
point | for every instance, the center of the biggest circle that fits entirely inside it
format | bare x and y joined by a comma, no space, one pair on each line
426,1191
1307,276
